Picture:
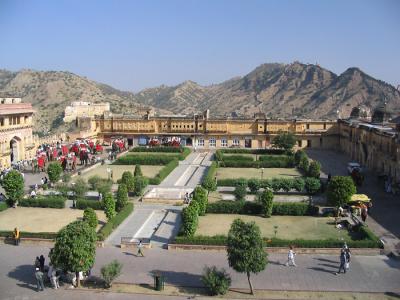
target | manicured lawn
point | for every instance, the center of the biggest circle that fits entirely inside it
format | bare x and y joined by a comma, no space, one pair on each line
289,227
148,171
33,219
224,173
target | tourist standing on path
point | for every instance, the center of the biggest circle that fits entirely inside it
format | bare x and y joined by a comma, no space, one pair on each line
52,277
140,247
364,213
343,262
37,262
41,260
39,280
291,255
16,236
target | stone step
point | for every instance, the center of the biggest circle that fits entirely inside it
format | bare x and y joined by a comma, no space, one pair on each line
168,229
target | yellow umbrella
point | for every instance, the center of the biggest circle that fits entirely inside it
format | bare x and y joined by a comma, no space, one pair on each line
360,197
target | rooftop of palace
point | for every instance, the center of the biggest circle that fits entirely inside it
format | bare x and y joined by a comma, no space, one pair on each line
381,128
16,108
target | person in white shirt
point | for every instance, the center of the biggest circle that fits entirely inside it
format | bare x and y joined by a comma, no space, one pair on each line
33,194
291,255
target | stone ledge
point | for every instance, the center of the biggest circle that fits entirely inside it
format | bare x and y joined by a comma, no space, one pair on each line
38,242
282,250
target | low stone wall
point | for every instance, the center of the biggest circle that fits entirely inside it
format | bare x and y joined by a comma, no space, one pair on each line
133,245
282,250
37,242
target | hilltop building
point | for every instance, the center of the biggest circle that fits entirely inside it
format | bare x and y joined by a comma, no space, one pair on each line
16,139
80,109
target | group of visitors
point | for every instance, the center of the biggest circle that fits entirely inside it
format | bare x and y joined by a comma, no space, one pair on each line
40,274
345,257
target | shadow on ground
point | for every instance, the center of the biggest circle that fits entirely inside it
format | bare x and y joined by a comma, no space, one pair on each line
25,275
180,278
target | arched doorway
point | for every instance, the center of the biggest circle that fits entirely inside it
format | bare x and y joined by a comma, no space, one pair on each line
15,149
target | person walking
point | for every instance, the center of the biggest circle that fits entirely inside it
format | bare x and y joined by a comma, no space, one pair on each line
37,262
16,236
140,247
364,213
343,262
51,273
291,255
41,261
39,279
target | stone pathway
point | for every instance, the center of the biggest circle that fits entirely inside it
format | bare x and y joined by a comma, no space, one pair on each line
184,268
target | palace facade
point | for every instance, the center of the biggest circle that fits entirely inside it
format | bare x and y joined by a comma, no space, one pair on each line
16,139
79,109
204,132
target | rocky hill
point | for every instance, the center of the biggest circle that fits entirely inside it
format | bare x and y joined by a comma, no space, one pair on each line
280,90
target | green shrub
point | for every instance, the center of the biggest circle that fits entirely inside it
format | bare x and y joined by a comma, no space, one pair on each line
240,192
83,204
128,180
304,164
133,159
45,202
298,156
252,151
110,272
190,219
201,198
94,181
104,186
254,185
164,172
13,184
109,206
66,177
266,200
79,188
292,209
313,185
216,281
122,196
340,190
138,171
140,184
298,184
3,206
314,169
89,215
106,230
54,170
209,181
237,158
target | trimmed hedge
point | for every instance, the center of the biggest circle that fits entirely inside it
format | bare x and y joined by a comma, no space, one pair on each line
164,172
106,230
209,182
253,151
3,206
190,219
237,158
133,159
253,208
83,204
25,234
182,152
310,185
45,202
288,163
367,240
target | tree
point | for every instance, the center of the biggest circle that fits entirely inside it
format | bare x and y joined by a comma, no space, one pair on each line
240,192
190,219
128,180
13,184
245,249
109,206
304,164
298,156
314,169
54,170
201,198
284,140
75,248
140,184
138,171
80,188
266,199
89,216
94,182
104,186
340,190
122,196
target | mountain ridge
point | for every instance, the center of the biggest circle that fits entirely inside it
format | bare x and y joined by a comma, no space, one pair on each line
279,90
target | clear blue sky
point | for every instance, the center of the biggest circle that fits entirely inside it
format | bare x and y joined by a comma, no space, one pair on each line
132,45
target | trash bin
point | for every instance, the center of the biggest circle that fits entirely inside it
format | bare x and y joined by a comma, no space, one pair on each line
158,282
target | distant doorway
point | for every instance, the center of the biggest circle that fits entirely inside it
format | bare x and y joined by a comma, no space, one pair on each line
189,142
14,149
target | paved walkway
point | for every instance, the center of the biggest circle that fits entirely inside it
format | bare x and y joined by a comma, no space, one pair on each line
184,268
